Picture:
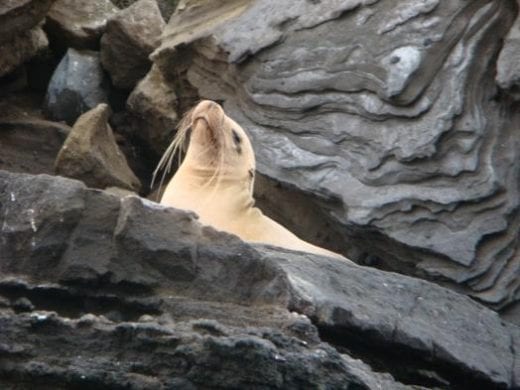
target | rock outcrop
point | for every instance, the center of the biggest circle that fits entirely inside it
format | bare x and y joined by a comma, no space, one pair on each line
130,259
387,117
90,154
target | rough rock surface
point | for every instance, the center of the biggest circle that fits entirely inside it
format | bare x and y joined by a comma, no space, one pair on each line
28,142
21,48
78,23
388,113
91,154
153,103
167,7
18,16
131,35
128,259
77,85
508,63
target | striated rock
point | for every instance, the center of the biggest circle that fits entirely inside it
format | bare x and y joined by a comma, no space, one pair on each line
21,48
91,154
78,23
20,16
384,115
153,104
77,85
130,37
129,259
28,142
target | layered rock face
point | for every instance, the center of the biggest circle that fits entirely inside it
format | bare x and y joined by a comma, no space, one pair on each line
386,115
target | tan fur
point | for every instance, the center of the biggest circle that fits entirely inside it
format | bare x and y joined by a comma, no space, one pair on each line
216,178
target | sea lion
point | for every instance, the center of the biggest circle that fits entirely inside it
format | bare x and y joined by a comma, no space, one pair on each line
216,179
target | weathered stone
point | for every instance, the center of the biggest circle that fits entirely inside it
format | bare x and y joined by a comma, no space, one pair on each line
19,16
130,37
153,104
508,63
91,154
126,258
78,23
20,48
167,7
77,85
383,113
28,142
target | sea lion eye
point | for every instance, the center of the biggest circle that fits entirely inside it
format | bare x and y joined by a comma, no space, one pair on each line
236,137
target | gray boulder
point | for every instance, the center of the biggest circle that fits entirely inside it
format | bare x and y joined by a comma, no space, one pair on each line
130,37
78,23
129,259
384,115
77,85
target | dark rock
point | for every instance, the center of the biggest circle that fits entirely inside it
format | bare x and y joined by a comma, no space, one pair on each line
158,357
396,134
78,23
130,37
28,142
19,16
23,304
77,85
153,104
127,258
91,154
21,48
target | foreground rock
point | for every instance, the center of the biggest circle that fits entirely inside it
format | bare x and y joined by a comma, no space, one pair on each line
77,85
130,37
78,23
373,123
91,154
129,258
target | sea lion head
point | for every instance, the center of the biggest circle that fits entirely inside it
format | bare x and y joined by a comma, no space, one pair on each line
216,147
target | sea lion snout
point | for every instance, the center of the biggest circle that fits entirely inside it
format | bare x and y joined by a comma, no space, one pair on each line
210,112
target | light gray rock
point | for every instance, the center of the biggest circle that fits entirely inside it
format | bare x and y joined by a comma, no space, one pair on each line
90,153
384,114
508,63
131,257
78,23
153,104
130,37
77,85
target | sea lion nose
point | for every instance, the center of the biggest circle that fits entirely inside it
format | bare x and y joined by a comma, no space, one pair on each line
207,110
